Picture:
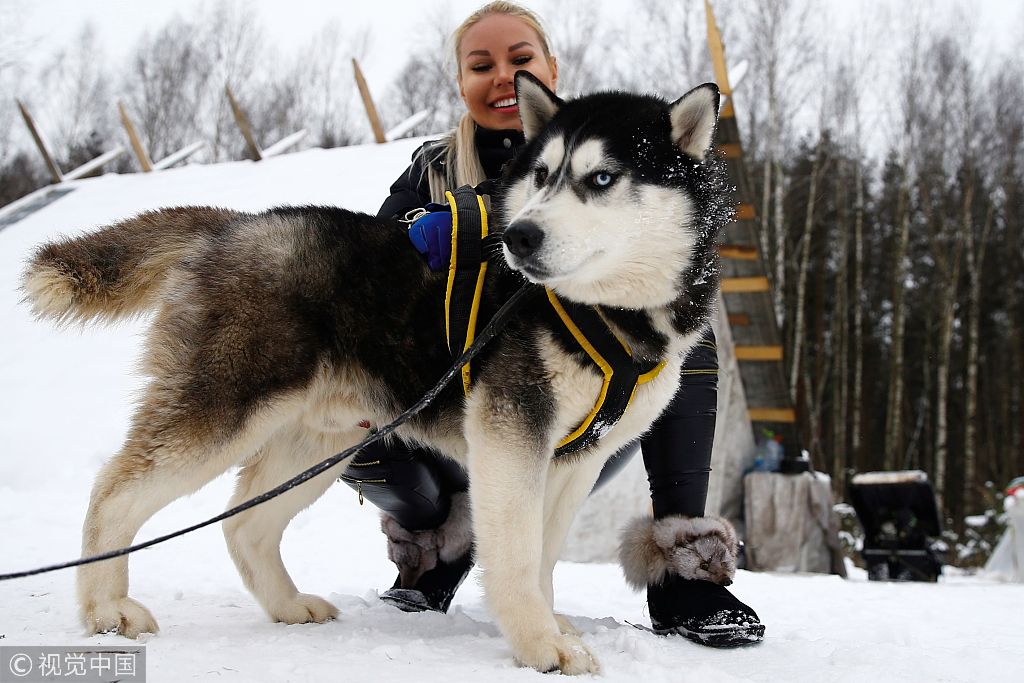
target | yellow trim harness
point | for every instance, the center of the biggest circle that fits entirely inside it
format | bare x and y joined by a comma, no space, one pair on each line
461,273
585,326
611,384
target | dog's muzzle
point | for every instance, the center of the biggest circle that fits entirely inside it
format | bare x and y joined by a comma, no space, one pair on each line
523,239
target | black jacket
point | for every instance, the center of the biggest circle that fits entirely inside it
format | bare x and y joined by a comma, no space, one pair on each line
412,189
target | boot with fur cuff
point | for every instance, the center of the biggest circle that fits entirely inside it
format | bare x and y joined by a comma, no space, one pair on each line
686,563
432,563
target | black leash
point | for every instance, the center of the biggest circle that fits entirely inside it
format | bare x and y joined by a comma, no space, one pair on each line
492,328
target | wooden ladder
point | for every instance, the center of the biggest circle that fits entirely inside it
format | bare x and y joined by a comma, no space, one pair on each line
746,289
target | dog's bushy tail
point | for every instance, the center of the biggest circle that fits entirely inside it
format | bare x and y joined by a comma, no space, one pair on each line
117,271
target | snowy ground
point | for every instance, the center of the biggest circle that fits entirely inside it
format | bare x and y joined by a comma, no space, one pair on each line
65,397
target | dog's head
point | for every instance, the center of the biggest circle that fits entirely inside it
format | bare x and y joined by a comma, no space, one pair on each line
611,201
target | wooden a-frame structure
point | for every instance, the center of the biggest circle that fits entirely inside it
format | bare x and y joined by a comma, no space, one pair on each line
746,288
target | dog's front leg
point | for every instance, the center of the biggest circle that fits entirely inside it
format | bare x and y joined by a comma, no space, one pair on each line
508,465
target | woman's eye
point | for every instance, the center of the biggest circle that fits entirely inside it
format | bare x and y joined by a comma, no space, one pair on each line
540,175
601,180
519,61
480,68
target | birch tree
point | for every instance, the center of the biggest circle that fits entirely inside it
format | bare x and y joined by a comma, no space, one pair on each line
781,46
232,40
947,72
673,38
1007,103
909,108
576,40
428,79
817,166
166,85
78,97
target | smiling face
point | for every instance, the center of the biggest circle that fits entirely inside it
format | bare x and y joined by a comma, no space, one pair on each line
490,53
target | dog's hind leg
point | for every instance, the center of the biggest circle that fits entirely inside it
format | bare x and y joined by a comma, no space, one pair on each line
167,455
254,536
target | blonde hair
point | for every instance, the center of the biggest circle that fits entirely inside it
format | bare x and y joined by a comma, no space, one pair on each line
461,160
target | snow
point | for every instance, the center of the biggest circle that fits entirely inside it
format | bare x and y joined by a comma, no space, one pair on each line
65,399
898,477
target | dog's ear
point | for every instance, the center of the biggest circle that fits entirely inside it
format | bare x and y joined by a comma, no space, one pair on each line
537,104
693,119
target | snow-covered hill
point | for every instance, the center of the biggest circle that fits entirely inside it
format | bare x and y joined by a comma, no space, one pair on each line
65,398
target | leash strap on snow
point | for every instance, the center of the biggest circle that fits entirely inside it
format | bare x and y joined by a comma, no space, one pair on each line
500,319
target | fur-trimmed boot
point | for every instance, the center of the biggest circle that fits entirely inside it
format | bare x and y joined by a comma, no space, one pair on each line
686,563
432,564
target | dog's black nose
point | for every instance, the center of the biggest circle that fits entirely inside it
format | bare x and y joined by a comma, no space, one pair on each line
523,238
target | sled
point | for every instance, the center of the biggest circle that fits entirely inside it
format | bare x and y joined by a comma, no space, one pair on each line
901,524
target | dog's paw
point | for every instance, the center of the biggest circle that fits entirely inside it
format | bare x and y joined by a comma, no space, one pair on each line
304,608
565,626
562,652
126,616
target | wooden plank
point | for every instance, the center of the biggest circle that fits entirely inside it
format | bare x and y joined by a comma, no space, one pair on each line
717,49
739,319
371,108
772,414
740,252
94,164
243,125
745,284
730,150
133,137
284,143
180,155
759,353
41,145
762,330
745,212
407,125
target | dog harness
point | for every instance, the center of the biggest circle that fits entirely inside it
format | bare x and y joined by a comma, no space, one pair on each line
581,326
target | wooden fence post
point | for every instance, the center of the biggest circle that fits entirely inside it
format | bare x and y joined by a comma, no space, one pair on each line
44,150
55,172
250,139
243,125
140,152
371,109
142,155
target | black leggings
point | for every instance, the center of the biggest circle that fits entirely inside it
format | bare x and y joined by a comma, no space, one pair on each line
415,485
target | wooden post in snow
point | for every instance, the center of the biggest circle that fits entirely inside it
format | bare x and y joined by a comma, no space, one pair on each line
243,125
41,145
142,155
371,109
140,151
55,173
242,120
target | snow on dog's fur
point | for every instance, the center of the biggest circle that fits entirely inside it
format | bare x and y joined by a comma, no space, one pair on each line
277,334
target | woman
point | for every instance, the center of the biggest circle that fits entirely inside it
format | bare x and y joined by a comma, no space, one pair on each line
422,495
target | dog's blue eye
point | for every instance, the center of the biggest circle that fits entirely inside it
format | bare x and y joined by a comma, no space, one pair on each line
602,180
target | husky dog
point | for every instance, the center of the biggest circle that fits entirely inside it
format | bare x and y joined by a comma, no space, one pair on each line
277,334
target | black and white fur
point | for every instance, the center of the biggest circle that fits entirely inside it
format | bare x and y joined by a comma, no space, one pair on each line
277,334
